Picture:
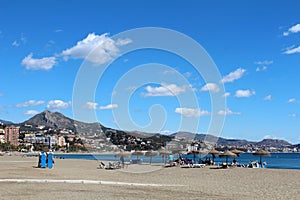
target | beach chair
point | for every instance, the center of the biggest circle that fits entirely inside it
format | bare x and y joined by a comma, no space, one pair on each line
114,165
101,165
198,165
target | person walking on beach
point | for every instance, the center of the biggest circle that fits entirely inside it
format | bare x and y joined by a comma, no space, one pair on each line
40,160
122,161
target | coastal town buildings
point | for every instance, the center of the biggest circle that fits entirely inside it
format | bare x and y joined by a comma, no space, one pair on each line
2,133
34,137
61,141
12,135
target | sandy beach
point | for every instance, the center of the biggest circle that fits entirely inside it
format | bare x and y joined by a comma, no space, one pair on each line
80,179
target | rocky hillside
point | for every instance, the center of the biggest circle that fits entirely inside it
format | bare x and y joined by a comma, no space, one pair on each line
57,120
232,142
273,143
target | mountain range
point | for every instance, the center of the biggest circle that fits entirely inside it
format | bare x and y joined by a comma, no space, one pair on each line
6,122
56,120
232,142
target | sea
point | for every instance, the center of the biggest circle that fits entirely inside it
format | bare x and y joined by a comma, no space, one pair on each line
275,161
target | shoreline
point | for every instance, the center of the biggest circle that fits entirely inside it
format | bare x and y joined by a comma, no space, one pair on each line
21,155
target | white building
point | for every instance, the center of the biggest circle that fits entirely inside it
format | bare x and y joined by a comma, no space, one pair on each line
2,135
61,141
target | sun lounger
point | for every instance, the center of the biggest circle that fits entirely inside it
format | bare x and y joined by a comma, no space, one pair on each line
101,165
198,165
110,166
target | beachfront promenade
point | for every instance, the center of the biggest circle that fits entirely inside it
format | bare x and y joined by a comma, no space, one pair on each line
80,179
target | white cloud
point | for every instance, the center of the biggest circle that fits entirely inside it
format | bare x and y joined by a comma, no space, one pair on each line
58,104
293,29
15,43
285,33
58,31
23,39
122,42
49,44
228,112
232,76
263,65
244,93
292,115
263,68
191,112
292,50
166,132
108,107
268,98
45,63
164,90
265,62
97,49
90,105
187,74
169,71
226,94
212,87
1,94
30,103
273,137
269,137
292,100
31,112
131,88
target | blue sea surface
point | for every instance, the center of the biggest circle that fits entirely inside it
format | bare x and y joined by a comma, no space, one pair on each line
276,160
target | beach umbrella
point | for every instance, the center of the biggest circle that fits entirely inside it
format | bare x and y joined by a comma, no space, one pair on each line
151,154
228,154
194,152
165,153
237,152
261,153
202,152
214,152
137,154
178,151
123,153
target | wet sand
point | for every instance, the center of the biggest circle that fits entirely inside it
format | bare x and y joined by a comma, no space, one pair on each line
80,179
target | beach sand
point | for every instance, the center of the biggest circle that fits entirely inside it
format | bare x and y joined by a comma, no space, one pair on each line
141,181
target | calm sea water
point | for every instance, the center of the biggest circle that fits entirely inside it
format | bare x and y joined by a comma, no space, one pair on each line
276,160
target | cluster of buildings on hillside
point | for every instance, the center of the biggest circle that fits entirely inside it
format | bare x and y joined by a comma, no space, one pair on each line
253,147
67,140
58,139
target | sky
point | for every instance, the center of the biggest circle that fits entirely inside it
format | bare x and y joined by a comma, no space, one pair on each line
75,57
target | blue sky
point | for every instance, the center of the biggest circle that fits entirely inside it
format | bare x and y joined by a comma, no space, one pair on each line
255,46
